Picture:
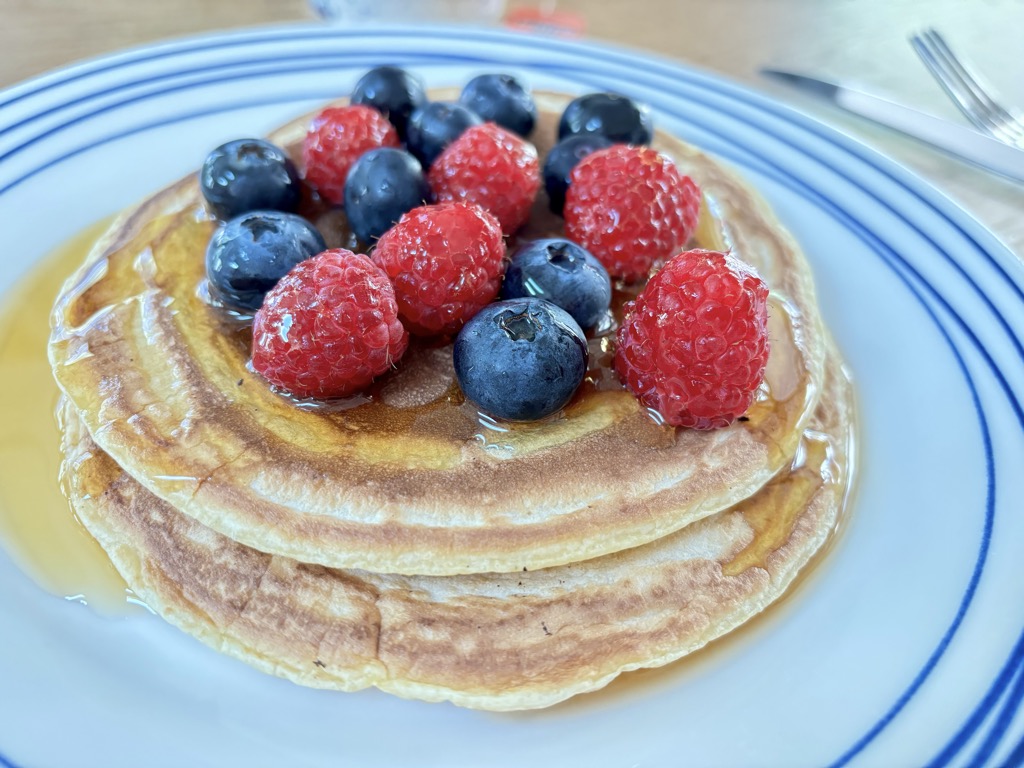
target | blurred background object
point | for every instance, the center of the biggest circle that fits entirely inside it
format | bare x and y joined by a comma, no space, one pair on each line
436,11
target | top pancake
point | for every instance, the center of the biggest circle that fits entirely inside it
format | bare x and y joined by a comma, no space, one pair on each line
411,480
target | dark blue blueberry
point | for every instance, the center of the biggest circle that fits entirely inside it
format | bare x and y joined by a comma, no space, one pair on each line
617,117
520,360
393,92
560,161
503,100
249,254
434,126
246,175
382,185
565,274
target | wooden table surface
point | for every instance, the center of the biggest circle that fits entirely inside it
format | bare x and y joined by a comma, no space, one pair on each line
858,40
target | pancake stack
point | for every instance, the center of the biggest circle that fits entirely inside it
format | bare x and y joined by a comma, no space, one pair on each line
399,539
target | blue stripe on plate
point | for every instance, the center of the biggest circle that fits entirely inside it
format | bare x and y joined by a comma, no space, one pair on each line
148,54
1016,757
1005,717
275,69
988,703
813,127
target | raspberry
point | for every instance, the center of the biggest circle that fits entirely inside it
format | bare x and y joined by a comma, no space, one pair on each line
491,167
446,262
328,327
336,139
631,208
694,344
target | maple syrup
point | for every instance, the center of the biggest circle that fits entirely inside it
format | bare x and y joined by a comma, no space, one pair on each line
38,528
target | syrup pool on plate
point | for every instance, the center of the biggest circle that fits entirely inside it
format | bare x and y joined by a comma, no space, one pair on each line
38,529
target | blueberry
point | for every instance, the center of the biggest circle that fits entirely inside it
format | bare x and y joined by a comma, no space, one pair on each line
434,126
503,100
617,117
393,92
250,253
520,360
246,175
382,185
560,161
564,273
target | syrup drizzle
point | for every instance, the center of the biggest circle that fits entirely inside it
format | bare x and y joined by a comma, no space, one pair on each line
38,529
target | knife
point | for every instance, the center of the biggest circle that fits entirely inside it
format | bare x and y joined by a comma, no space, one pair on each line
964,143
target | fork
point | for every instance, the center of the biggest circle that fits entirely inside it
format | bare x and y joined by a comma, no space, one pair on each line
963,87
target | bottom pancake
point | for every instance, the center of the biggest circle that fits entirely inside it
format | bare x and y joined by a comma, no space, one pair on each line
488,641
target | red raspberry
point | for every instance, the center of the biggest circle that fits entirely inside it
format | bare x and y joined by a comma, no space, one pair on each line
491,167
446,262
631,208
328,327
336,139
694,344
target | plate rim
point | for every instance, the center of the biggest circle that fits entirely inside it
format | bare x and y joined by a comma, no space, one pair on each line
929,194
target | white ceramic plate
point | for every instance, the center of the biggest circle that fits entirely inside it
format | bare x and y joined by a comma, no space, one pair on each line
904,648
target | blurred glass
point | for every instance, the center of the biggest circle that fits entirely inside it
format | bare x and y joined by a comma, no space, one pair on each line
403,11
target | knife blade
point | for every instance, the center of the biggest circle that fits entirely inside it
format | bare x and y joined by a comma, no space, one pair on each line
956,140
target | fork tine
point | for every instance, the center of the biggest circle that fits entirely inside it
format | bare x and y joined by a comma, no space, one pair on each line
1005,124
966,76
966,91
950,83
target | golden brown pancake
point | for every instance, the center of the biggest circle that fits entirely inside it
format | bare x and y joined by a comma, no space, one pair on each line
411,480
489,641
